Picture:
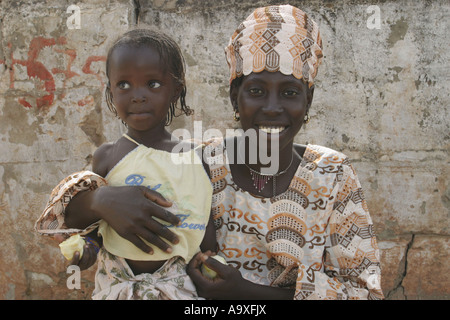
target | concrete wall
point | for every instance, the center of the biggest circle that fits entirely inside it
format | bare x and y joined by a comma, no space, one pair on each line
381,97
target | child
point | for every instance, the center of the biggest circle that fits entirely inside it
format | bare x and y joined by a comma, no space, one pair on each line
145,70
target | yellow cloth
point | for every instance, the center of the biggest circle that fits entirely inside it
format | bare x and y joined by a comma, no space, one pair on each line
185,184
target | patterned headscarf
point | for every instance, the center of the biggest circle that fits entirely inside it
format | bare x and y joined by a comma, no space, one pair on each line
276,38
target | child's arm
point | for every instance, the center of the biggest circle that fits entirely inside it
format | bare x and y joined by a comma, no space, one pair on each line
90,250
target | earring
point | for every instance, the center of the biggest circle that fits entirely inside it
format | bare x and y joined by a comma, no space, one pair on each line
306,119
236,116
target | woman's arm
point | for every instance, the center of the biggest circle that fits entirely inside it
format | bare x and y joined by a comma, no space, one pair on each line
209,242
85,207
129,211
79,201
82,199
352,257
351,266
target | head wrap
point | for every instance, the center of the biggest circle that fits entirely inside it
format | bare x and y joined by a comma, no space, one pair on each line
276,38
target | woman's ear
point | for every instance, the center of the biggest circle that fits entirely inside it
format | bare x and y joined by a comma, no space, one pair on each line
233,97
310,96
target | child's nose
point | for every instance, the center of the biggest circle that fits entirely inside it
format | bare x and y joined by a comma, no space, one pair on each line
139,96
139,99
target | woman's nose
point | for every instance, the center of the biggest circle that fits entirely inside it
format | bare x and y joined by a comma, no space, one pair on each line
272,106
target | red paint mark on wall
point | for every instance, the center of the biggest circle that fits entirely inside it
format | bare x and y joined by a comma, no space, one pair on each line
23,102
85,101
87,67
36,69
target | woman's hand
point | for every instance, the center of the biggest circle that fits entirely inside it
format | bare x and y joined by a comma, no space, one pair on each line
228,284
129,210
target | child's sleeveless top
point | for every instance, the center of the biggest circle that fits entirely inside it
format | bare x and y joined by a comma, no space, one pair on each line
181,179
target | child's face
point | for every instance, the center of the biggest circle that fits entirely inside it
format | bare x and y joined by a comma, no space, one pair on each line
142,88
272,102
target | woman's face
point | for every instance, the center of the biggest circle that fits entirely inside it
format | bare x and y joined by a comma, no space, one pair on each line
272,104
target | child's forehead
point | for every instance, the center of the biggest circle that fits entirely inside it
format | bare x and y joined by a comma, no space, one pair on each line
126,51
138,56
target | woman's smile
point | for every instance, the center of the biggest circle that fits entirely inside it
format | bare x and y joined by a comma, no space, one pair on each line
271,129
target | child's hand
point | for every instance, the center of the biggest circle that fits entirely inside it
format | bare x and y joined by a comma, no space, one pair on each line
88,259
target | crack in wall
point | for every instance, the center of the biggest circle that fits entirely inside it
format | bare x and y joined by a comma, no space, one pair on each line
137,11
398,287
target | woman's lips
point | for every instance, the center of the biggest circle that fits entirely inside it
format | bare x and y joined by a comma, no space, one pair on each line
272,129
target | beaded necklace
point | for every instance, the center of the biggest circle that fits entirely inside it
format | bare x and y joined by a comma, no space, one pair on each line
261,179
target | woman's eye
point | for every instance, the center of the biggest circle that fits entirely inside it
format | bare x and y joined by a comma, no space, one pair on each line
123,85
255,91
291,93
154,84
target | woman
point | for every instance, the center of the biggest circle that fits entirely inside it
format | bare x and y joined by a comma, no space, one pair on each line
302,231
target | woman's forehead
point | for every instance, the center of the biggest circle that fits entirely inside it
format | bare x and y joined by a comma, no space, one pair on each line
272,77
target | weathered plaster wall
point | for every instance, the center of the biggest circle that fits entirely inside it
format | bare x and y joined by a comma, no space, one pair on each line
381,97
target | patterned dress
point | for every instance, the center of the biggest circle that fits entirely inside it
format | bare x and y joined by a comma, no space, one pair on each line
316,237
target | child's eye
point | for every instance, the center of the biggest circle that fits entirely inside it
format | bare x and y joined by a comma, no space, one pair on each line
123,85
154,84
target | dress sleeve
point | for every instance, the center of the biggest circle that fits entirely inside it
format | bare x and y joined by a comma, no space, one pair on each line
351,262
51,222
